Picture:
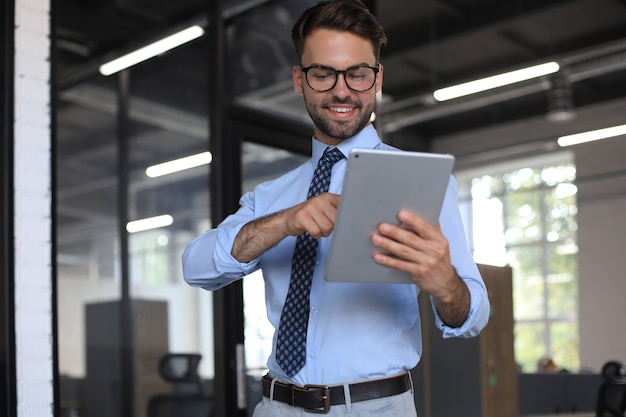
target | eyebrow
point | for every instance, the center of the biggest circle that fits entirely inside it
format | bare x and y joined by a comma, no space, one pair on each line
318,64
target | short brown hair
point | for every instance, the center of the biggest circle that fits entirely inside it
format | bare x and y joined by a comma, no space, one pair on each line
343,15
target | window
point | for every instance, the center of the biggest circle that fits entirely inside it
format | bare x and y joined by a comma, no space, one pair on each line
524,215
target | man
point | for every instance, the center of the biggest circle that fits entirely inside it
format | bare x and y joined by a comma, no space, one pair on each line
360,339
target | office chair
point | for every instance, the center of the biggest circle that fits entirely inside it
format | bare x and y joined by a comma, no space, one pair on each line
612,393
188,398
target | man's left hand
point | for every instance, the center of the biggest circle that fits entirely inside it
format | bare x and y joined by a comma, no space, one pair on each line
422,251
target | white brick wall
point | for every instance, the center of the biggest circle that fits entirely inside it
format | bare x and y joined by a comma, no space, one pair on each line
33,318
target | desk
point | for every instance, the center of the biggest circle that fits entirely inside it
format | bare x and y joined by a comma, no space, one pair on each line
559,393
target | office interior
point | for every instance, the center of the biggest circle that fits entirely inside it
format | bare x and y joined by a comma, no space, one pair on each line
130,334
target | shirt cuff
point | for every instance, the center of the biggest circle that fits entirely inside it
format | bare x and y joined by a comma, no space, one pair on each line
222,254
477,317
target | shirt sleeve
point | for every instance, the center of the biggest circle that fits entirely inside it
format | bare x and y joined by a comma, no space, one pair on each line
207,260
463,262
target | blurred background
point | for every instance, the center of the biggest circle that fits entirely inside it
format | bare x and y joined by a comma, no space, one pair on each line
525,200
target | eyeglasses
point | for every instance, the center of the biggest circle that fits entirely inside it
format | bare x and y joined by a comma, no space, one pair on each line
323,78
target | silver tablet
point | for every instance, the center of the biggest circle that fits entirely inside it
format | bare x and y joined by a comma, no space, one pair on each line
377,184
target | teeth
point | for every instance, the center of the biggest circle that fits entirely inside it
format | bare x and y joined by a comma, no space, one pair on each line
340,109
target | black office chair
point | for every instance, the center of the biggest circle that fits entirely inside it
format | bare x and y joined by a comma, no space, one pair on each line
188,397
612,393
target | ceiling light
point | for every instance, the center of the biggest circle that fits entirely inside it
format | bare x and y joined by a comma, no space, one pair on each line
149,223
152,50
495,81
592,135
180,164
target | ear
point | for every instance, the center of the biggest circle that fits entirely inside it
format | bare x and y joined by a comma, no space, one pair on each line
296,75
379,78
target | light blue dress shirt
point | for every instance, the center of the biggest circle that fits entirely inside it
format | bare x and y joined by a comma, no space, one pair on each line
356,331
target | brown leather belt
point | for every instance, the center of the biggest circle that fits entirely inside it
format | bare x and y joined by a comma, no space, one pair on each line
319,398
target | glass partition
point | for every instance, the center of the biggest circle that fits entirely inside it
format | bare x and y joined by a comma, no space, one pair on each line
168,316
261,58
88,280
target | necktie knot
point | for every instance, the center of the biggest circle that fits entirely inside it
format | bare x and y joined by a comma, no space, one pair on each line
332,155
321,177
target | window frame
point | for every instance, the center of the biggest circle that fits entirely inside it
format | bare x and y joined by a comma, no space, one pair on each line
464,180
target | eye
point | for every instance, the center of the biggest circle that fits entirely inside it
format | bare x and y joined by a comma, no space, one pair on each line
356,76
322,74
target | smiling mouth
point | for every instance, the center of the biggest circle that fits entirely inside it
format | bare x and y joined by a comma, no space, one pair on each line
341,109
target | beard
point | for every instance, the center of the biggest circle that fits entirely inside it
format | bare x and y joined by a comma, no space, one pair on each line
339,129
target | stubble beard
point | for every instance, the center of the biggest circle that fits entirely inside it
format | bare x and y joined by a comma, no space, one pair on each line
339,129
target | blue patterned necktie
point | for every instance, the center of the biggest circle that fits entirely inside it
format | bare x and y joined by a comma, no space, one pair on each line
291,344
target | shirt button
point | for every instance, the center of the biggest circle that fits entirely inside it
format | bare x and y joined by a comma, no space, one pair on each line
314,310
317,263
311,354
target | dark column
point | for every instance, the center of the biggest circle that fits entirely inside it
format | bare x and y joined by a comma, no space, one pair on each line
53,211
8,398
127,381
225,190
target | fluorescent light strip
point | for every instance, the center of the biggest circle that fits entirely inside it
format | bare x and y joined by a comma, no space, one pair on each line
495,81
149,223
592,135
180,164
152,50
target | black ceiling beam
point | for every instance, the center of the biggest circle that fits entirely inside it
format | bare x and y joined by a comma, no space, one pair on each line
487,18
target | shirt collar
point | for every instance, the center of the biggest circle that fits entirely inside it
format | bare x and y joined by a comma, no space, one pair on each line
367,138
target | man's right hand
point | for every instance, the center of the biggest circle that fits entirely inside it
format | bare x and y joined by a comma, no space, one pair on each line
315,216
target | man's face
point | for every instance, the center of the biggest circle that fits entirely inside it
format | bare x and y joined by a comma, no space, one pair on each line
340,112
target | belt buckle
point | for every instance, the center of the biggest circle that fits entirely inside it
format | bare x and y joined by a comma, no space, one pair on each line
324,397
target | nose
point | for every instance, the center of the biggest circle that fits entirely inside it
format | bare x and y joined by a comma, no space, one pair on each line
341,87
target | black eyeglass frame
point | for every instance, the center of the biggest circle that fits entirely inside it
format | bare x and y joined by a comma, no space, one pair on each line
376,70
